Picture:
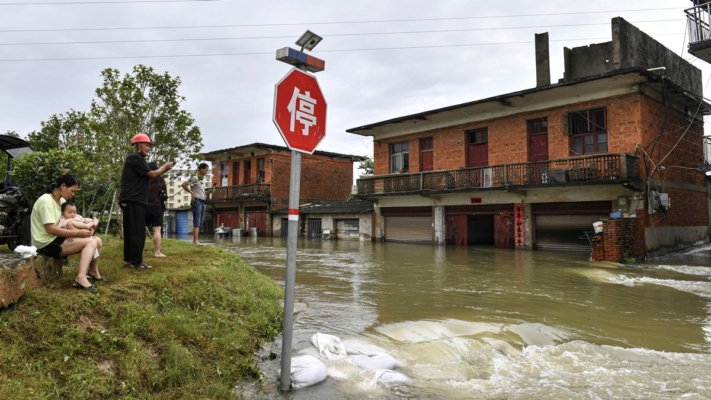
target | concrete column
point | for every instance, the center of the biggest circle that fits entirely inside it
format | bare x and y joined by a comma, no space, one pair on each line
528,227
379,224
440,226
543,65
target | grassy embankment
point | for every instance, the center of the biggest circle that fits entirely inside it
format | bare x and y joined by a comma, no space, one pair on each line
187,329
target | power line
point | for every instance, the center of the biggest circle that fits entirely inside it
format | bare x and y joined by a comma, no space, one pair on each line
47,3
328,23
325,35
321,51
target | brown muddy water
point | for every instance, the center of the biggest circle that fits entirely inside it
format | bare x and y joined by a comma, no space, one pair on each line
480,322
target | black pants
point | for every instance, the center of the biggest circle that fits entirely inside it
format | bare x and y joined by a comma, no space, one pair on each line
134,231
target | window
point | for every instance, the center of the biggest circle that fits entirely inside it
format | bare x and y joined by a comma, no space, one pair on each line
399,157
172,191
588,130
260,170
426,144
185,198
537,126
478,136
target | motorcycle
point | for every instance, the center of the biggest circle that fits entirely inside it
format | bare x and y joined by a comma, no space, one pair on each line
15,213
15,209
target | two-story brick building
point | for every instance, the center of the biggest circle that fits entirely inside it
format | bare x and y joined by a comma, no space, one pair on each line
535,168
252,181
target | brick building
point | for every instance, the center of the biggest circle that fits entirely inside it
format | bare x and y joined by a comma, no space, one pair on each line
535,168
252,181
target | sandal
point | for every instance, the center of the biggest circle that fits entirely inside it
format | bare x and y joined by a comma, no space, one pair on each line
142,265
93,278
82,287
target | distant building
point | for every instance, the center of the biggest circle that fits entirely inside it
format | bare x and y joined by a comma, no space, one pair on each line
251,182
177,197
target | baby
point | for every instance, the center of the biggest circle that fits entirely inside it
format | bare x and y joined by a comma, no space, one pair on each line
71,220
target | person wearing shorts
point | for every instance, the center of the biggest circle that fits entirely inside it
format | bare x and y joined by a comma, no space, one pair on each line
155,209
195,187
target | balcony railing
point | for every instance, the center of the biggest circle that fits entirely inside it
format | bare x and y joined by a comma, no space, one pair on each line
241,191
699,20
599,168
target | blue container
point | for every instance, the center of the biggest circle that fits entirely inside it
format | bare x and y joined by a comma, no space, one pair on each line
181,222
616,215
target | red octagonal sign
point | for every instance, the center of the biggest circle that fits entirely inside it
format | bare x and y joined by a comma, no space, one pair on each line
300,111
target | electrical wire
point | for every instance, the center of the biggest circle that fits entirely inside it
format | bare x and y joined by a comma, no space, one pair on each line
334,22
325,35
271,52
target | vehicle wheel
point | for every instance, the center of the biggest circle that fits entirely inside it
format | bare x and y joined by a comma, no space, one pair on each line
12,243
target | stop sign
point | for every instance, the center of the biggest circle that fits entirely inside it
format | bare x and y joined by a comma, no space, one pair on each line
300,111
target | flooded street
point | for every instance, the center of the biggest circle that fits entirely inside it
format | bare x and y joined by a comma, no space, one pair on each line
480,322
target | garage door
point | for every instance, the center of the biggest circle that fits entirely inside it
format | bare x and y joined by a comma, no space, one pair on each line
562,232
408,229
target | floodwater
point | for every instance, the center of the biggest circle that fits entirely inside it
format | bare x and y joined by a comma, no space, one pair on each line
480,322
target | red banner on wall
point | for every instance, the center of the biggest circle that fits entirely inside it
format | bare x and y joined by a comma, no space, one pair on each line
518,224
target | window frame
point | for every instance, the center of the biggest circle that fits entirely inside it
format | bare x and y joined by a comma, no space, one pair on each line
399,157
587,130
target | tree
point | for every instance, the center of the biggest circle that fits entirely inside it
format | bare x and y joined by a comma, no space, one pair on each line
147,102
36,171
366,166
141,101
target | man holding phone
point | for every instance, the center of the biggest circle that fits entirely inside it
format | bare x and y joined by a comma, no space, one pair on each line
195,187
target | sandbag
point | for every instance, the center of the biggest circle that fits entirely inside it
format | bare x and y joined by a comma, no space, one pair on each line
390,377
376,361
329,346
306,371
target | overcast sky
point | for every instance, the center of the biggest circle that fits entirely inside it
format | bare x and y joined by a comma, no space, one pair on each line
384,58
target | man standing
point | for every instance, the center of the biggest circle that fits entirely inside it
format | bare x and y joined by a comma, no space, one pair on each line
194,186
157,195
134,198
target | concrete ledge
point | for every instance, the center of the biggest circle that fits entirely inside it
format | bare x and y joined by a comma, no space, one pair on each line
661,241
18,275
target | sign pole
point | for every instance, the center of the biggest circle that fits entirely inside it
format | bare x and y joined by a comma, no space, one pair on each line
300,95
290,279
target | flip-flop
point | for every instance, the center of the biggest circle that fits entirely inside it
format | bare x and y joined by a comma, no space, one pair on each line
160,256
142,265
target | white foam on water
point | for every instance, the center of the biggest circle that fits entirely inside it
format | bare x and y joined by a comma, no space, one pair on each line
700,288
688,270
595,274
421,331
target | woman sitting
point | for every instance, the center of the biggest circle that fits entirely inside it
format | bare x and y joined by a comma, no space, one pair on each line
53,241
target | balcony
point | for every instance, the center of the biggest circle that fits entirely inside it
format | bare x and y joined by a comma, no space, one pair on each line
606,168
699,23
237,192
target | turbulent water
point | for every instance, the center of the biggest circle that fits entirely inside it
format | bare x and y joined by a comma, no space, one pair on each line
480,322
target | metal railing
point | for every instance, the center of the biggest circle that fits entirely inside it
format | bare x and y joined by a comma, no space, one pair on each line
236,191
699,22
598,168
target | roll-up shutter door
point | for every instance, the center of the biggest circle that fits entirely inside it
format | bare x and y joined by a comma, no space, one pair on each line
562,232
408,229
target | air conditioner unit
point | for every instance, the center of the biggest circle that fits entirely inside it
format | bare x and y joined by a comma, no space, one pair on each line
486,177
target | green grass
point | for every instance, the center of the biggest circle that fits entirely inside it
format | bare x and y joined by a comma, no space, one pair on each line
187,329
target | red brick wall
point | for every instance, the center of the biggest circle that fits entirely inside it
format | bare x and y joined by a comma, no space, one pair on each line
620,238
322,178
508,136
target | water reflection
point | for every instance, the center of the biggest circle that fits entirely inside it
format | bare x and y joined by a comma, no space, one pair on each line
480,322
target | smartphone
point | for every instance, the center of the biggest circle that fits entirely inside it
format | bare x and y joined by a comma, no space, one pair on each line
168,157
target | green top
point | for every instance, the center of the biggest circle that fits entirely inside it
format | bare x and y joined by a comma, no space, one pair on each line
45,211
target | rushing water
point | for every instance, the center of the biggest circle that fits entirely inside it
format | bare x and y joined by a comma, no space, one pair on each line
480,322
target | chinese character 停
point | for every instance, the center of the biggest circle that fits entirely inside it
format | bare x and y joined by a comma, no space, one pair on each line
301,107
